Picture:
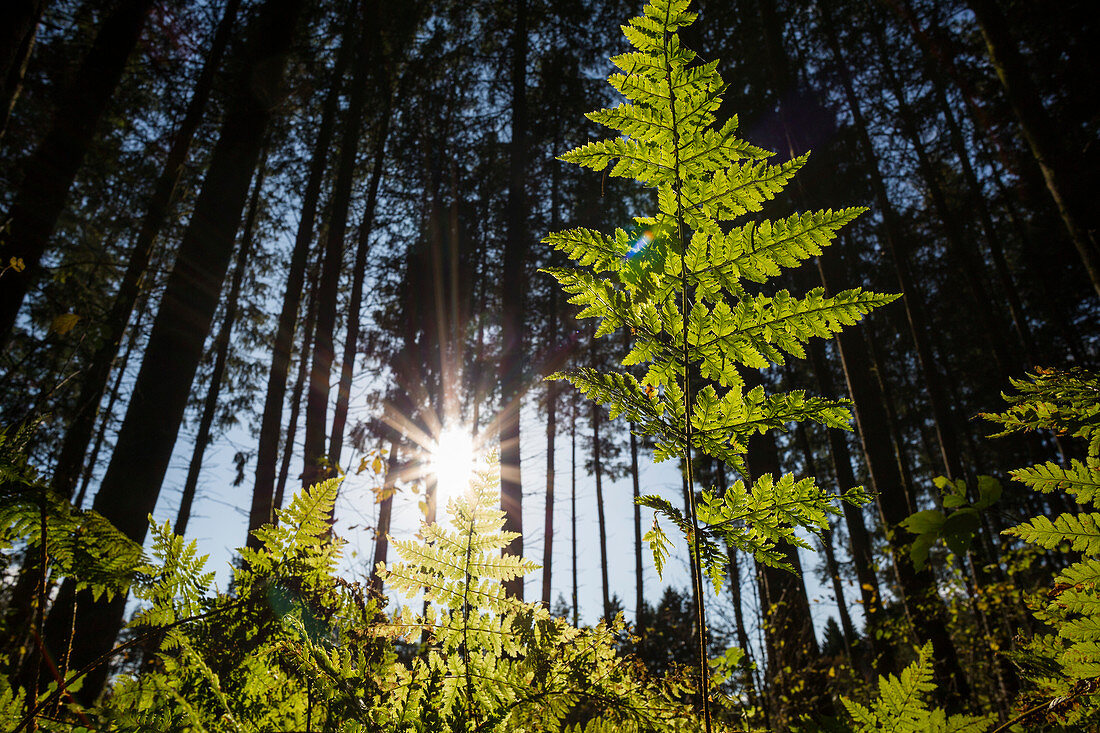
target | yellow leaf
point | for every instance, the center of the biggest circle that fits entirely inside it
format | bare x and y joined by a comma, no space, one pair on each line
64,323
16,263
377,465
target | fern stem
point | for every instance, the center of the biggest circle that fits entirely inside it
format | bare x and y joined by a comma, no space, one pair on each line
696,570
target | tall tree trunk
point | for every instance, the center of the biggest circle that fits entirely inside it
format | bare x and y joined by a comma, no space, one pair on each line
893,238
297,392
597,467
355,305
221,353
129,490
552,389
109,409
967,259
512,303
267,452
52,167
385,511
18,27
573,509
317,465
1005,280
113,326
738,611
636,489
788,629
1037,129
917,591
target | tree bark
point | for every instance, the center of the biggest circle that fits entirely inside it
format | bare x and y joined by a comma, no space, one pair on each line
297,393
317,464
355,305
53,165
917,590
267,452
1037,129
512,303
18,27
385,510
221,354
893,238
129,490
92,388
597,467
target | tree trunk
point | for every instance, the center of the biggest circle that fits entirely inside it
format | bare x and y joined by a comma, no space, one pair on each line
317,465
53,165
597,467
917,590
385,510
573,508
895,244
79,431
1037,129
129,490
967,259
108,410
512,303
355,305
267,452
639,590
18,27
221,354
552,389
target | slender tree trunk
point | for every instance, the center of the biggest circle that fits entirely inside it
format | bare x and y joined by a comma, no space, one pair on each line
385,511
355,305
113,326
512,303
789,631
109,409
221,353
318,465
53,165
18,27
850,637
738,612
552,389
636,489
1005,281
267,452
968,260
129,490
1037,129
895,244
917,590
297,392
597,467
573,509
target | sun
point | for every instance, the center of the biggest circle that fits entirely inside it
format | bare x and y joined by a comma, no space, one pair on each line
452,462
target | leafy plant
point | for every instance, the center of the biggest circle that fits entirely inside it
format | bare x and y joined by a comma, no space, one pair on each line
686,283
902,706
957,528
495,663
1063,666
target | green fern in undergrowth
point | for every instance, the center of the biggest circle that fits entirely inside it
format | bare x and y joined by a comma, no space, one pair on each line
494,663
690,284
902,705
1063,666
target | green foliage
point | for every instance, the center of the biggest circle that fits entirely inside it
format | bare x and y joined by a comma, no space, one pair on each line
685,283
1062,667
495,663
957,528
902,706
